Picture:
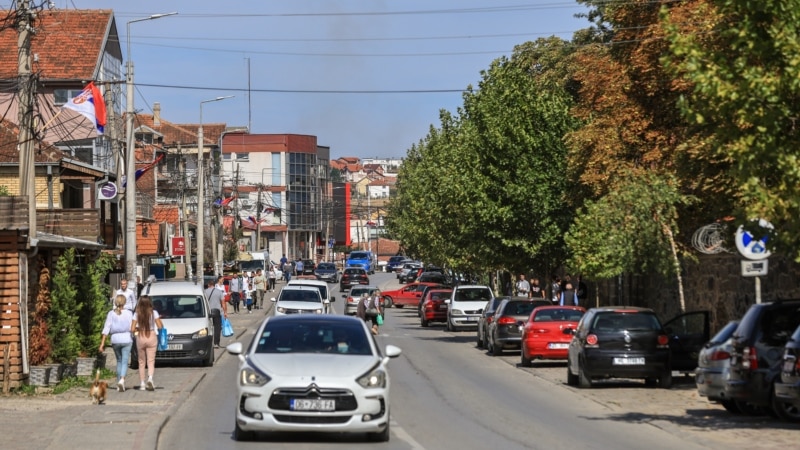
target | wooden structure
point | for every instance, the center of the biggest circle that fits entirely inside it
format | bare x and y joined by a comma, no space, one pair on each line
13,290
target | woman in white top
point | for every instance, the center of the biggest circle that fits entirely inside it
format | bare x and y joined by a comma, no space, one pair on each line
146,323
118,325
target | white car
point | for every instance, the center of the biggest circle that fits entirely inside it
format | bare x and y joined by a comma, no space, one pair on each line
298,300
312,373
324,292
465,306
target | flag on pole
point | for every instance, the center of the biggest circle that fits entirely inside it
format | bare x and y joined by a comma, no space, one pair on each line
143,170
90,104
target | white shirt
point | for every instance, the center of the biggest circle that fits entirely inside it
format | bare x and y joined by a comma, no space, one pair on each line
130,298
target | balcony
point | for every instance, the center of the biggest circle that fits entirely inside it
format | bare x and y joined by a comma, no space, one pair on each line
75,223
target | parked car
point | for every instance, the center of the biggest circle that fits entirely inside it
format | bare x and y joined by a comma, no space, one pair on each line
788,387
712,367
434,277
408,295
402,272
298,300
352,276
412,275
629,342
434,308
354,295
308,267
184,311
425,291
396,262
349,392
327,271
548,332
758,346
485,319
465,305
505,330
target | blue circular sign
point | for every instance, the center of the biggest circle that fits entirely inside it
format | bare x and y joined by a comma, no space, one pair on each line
753,247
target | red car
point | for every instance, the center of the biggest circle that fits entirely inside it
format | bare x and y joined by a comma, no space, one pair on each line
548,332
434,309
408,295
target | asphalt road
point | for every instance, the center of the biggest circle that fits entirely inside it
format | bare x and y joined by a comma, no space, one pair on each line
446,393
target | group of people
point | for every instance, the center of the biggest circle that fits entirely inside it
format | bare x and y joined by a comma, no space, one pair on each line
132,316
249,288
562,291
290,268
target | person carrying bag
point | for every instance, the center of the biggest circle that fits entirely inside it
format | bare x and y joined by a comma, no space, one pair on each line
370,308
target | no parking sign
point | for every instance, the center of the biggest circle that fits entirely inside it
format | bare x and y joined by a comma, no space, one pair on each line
753,247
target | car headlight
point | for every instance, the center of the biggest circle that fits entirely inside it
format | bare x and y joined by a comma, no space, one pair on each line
317,311
200,334
375,378
282,310
456,311
251,377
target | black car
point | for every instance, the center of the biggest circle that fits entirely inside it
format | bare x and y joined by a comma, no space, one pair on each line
487,313
630,342
326,271
434,277
788,387
353,276
757,356
308,267
505,328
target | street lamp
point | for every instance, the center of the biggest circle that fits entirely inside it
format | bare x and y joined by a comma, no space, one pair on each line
200,195
130,161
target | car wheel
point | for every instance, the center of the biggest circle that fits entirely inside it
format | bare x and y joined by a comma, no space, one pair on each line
423,322
241,435
387,302
786,411
731,406
209,361
449,325
572,379
479,344
381,436
651,382
524,360
665,380
497,350
583,380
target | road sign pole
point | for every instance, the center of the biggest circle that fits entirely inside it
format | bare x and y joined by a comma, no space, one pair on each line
758,289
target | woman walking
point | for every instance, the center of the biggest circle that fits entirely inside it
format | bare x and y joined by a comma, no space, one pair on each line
369,308
118,326
146,323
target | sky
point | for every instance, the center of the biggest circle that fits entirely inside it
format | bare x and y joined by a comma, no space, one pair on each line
367,78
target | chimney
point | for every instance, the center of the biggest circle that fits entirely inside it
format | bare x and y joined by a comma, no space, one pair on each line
157,114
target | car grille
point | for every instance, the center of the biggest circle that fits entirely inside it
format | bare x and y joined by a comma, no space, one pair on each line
298,311
280,398
311,419
473,311
172,354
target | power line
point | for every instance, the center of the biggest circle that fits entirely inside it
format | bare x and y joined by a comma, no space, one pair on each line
301,91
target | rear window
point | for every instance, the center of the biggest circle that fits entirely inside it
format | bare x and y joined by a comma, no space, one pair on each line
777,324
558,315
179,306
354,271
613,321
443,295
517,308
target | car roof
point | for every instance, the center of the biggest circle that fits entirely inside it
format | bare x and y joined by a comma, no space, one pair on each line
315,317
303,281
364,286
623,309
172,288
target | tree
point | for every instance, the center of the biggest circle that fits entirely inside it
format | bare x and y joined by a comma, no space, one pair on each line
95,294
64,330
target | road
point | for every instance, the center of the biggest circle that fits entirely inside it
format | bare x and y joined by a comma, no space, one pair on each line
446,393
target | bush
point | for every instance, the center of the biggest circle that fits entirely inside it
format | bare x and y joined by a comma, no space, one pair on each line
64,331
95,305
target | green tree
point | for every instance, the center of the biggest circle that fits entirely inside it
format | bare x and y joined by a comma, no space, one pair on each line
95,295
744,70
64,329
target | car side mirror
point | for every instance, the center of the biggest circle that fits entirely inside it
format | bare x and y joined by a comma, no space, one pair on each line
447,302
273,299
570,331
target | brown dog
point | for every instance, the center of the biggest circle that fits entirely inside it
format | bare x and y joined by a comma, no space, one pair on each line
98,390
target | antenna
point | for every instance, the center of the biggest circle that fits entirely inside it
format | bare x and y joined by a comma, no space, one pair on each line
249,105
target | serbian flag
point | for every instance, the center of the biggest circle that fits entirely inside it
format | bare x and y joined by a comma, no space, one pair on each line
90,103
141,171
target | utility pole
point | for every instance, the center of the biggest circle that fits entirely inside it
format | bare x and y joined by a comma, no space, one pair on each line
27,163
185,217
258,217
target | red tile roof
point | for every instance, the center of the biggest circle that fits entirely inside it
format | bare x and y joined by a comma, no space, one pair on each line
185,133
68,44
9,136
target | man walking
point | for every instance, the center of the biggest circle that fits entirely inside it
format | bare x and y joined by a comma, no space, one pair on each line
261,285
215,298
128,292
235,286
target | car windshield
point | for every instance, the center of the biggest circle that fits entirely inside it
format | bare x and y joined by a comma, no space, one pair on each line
179,306
359,255
519,308
635,321
323,290
356,292
558,315
313,337
473,295
326,266
297,295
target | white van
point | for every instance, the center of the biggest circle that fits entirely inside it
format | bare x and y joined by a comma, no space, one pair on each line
184,311
465,306
324,290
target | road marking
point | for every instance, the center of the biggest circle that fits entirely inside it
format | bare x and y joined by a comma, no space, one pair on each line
405,437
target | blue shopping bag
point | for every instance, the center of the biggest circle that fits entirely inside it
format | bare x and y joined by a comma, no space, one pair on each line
163,340
227,328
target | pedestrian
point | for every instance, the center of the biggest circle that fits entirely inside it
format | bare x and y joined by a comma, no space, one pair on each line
523,287
139,286
568,297
369,307
128,292
215,302
246,292
118,326
260,283
235,285
145,325
287,271
536,289
581,291
555,289
298,266
271,279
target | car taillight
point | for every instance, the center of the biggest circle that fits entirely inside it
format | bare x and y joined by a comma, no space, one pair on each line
591,339
489,319
350,300
506,321
663,340
749,358
719,355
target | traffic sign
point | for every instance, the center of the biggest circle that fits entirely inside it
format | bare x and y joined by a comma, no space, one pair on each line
752,247
754,268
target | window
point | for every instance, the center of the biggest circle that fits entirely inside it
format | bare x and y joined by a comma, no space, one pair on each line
242,156
61,96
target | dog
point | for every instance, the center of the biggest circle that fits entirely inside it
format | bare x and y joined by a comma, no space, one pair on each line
97,391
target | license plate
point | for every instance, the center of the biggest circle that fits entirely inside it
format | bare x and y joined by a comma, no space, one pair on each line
316,404
558,346
174,346
471,319
628,361
443,307
788,366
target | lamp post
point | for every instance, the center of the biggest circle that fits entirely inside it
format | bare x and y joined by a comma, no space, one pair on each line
200,195
130,160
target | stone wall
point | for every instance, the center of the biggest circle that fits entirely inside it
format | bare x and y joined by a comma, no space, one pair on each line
713,282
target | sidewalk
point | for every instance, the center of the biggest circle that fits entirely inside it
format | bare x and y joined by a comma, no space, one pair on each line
128,420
